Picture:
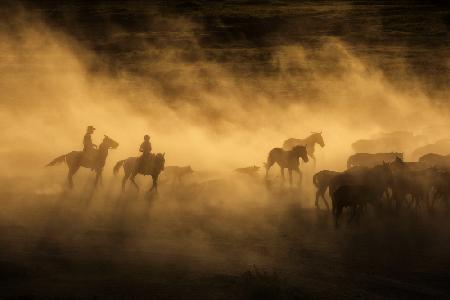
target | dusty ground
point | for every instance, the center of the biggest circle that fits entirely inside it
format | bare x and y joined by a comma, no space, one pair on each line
213,239
204,80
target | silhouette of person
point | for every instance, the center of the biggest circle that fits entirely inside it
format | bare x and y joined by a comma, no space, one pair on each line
146,149
88,145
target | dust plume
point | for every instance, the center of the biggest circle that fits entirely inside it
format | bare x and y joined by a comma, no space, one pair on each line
200,112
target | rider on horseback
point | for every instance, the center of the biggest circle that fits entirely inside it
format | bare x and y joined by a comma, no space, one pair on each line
88,146
146,149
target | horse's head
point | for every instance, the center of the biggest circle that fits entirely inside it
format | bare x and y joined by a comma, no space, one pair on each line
109,142
397,164
398,155
160,160
317,138
300,151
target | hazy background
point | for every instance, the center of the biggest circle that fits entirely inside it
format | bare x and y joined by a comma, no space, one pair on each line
216,85
226,81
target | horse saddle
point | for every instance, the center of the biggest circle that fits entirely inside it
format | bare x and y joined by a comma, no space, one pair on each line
88,158
146,164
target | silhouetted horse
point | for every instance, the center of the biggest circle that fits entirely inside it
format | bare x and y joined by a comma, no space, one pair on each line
130,167
436,160
251,171
287,159
371,159
177,173
397,141
96,161
321,181
442,188
356,197
378,179
439,147
310,142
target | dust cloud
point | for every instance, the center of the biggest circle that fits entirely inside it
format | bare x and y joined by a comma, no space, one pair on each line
207,115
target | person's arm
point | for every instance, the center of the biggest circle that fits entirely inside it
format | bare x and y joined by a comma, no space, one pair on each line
141,148
89,142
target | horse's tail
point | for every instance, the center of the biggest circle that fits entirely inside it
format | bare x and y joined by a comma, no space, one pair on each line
117,166
56,161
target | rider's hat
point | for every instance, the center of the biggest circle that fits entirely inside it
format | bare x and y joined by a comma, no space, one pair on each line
146,136
90,127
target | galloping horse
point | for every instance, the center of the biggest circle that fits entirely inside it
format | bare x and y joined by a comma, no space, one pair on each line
287,159
310,141
77,159
131,169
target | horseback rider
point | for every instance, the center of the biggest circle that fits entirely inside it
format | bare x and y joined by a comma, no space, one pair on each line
88,145
146,149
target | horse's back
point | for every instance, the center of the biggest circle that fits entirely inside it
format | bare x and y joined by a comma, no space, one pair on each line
371,159
73,156
324,177
276,152
129,164
291,143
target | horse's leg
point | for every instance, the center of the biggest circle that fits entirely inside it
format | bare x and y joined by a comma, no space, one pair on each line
98,177
72,171
282,174
325,199
124,180
269,164
290,177
154,184
299,176
134,182
318,193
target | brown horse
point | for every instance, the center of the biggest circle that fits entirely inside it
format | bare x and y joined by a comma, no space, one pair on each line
131,169
310,142
287,159
378,179
95,161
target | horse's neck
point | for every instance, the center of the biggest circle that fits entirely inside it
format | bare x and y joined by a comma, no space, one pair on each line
310,140
102,150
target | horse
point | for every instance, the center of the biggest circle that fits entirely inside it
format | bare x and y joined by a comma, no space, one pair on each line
436,160
378,179
95,160
321,181
439,147
371,159
250,171
442,189
287,159
356,197
310,142
398,141
131,169
177,173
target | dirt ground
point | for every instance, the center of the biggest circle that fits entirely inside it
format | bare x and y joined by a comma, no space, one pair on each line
223,238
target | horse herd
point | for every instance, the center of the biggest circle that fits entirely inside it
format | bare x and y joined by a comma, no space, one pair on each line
385,180
382,179
96,161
